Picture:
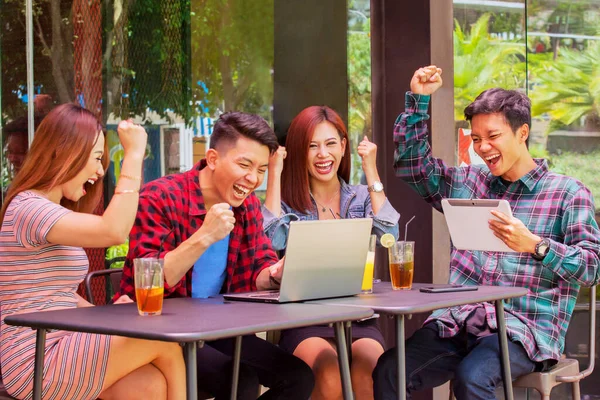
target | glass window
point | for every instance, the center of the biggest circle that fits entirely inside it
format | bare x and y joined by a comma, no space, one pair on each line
564,75
359,79
551,50
489,51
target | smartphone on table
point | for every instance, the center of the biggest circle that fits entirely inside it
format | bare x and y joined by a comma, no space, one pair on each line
447,288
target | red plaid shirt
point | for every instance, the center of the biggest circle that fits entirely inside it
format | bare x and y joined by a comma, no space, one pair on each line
176,202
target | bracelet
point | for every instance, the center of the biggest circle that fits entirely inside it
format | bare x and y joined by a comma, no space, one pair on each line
127,191
135,178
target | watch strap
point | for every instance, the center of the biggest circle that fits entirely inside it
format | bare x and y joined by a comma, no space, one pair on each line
371,188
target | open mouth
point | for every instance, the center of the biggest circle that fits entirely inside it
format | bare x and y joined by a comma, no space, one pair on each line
89,183
241,191
324,167
492,160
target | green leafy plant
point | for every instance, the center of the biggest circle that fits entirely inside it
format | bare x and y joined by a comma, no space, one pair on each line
119,250
482,61
568,89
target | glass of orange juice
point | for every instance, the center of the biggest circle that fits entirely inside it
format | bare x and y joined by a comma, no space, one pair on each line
367,283
149,285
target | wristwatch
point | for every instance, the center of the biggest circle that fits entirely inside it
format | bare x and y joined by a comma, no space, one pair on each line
376,187
541,249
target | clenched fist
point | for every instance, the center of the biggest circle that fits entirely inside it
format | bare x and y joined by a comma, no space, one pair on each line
367,151
218,223
276,161
426,80
133,137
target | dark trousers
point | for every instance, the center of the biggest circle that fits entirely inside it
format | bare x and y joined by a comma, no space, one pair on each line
473,364
286,376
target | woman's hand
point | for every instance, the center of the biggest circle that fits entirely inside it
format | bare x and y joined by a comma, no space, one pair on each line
133,138
276,161
367,151
124,299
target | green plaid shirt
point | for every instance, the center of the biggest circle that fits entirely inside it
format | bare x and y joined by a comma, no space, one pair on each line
552,206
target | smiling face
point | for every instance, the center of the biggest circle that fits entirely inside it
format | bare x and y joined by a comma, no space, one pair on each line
504,151
75,188
237,170
325,152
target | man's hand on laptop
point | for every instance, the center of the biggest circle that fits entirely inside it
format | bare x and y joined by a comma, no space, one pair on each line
275,273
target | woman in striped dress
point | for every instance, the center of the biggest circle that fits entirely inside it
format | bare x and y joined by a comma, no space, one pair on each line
46,221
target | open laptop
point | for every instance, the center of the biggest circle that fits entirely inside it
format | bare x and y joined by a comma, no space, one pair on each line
323,259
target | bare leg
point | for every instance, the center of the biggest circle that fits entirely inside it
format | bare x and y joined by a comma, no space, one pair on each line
145,383
321,356
365,353
127,355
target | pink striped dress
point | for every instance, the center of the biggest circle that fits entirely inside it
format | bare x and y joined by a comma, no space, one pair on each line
38,276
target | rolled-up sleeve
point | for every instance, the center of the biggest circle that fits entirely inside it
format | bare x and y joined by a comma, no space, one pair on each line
386,220
277,228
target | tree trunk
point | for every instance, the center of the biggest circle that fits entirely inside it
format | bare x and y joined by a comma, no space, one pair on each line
60,64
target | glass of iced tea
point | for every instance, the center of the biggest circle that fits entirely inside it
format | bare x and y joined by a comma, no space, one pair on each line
367,283
402,264
149,286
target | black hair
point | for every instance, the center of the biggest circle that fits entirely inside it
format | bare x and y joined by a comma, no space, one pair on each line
512,104
230,126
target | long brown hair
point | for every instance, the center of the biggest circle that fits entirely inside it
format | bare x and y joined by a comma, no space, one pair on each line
295,189
60,150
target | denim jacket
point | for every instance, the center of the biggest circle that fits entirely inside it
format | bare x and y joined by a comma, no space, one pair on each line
355,202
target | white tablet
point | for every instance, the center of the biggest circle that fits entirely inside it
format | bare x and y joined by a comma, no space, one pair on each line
467,221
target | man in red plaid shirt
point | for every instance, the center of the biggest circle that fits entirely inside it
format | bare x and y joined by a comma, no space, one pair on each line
212,228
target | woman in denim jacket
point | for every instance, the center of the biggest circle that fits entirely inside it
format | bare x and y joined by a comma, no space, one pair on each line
311,185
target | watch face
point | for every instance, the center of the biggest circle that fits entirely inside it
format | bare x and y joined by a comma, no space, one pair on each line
543,248
377,186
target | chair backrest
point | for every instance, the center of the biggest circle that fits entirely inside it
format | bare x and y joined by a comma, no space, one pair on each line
115,279
591,344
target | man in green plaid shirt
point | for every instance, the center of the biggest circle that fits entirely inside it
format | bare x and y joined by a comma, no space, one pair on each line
553,233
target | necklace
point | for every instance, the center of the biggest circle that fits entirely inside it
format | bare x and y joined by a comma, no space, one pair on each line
322,205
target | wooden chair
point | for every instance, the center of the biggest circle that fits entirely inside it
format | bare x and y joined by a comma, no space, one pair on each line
567,369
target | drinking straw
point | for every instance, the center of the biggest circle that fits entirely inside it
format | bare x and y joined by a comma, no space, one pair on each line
406,227
160,250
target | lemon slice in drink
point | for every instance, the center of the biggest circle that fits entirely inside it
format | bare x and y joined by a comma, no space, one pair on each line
387,240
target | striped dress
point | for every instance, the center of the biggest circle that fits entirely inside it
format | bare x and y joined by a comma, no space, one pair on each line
38,276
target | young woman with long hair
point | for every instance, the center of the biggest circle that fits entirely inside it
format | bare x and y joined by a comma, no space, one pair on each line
46,220
312,184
